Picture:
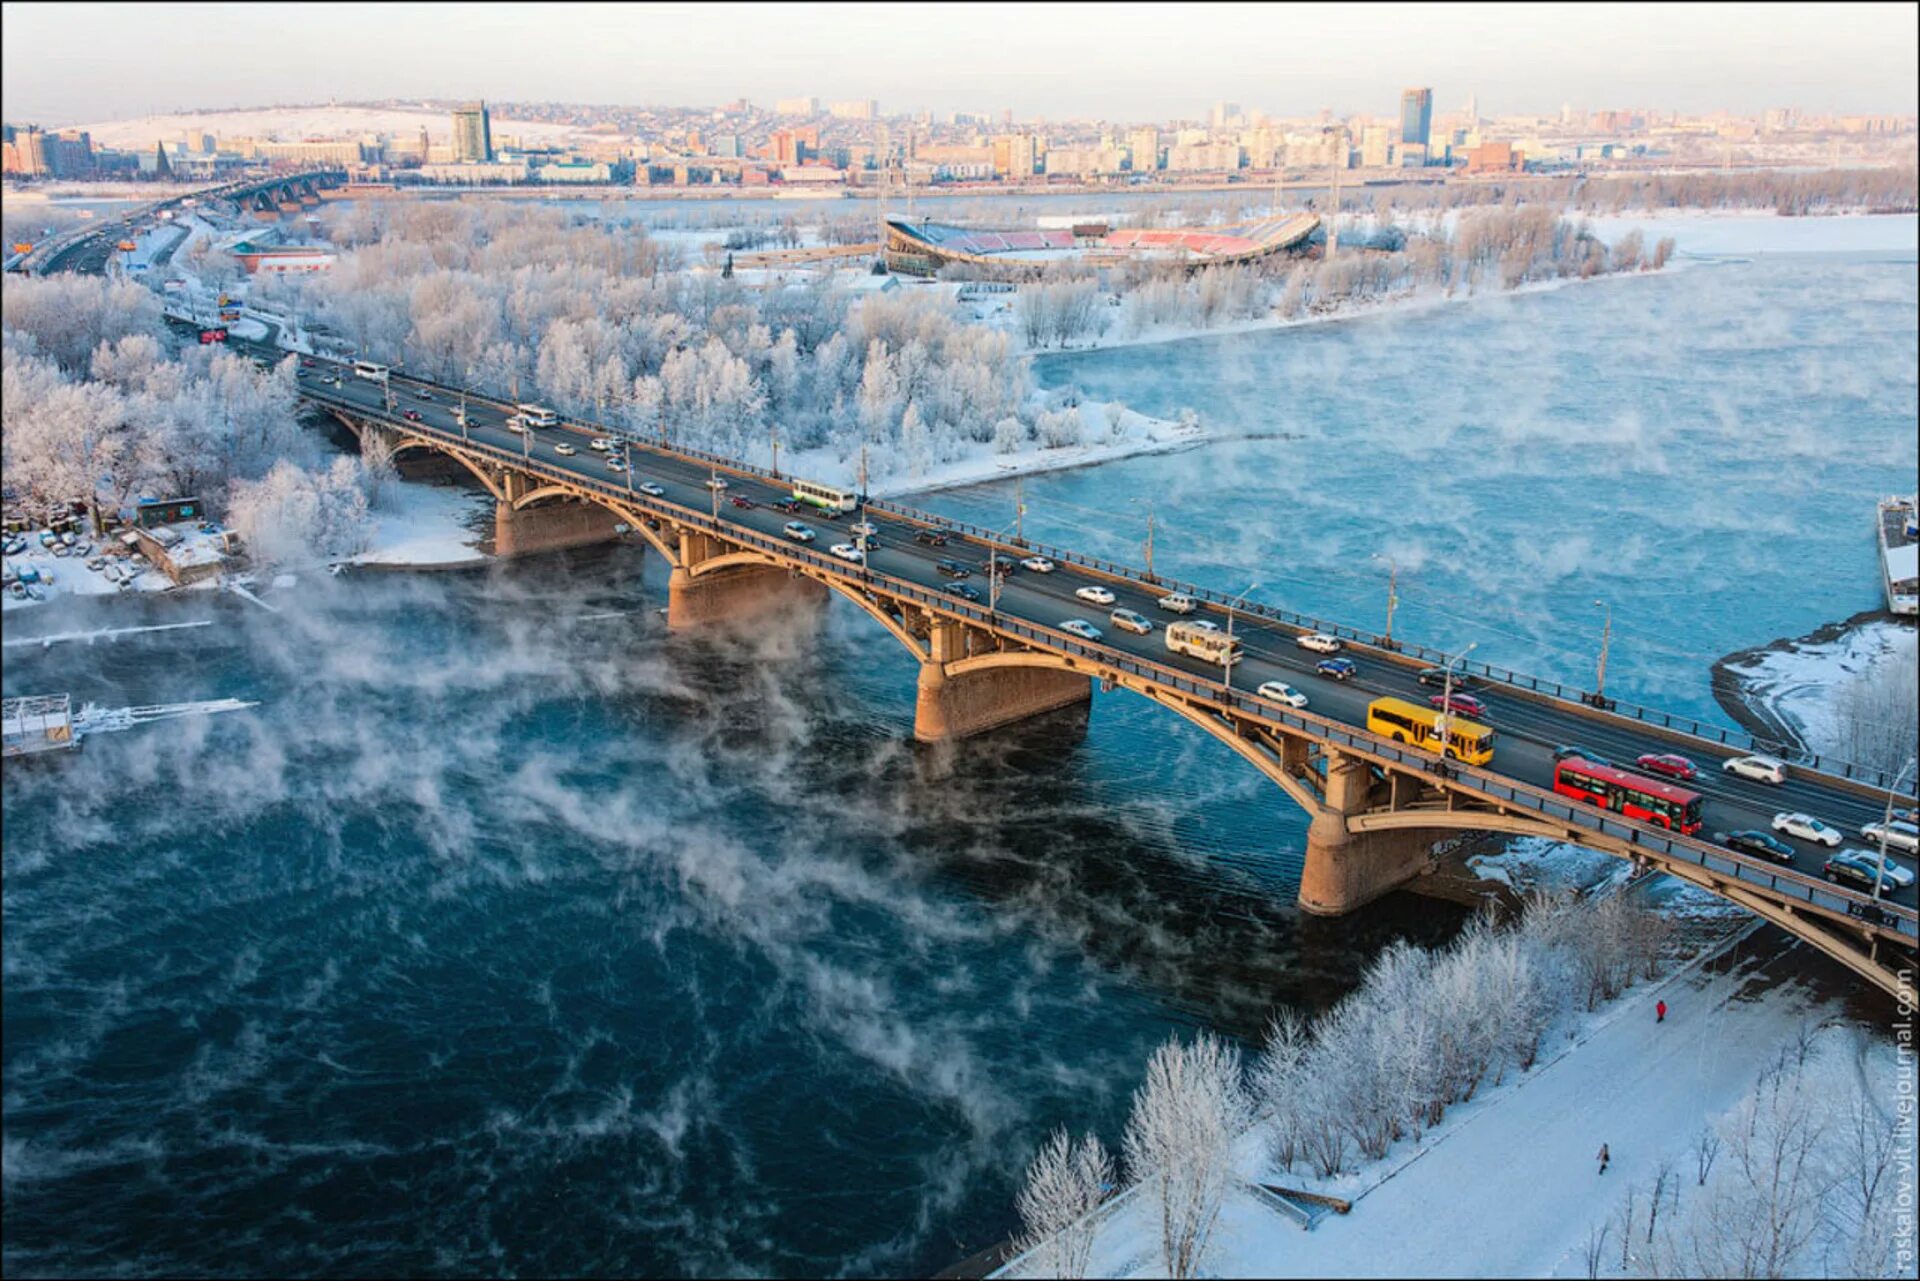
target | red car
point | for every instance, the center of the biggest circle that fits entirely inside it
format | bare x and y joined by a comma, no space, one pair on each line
413,416
1667,763
1463,704
738,501
306,362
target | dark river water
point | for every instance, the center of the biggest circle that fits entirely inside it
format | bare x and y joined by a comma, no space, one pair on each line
510,935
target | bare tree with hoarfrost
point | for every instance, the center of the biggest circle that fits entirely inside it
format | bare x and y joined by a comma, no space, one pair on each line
1179,1141
1064,1186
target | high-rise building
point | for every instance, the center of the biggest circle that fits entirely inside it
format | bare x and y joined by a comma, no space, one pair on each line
1225,114
1013,156
472,133
796,107
1416,116
854,109
1376,146
1144,146
26,151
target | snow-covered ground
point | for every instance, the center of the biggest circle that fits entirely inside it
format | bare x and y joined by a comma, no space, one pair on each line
427,525
1509,1184
1793,684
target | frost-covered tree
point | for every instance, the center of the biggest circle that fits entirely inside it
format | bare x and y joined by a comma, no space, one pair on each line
1065,1184
1179,1141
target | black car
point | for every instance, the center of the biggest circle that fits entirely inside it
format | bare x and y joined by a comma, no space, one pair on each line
1846,866
1002,567
1578,753
952,568
965,591
931,537
1438,676
1763,844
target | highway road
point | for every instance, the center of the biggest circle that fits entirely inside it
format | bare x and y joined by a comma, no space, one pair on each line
1529,728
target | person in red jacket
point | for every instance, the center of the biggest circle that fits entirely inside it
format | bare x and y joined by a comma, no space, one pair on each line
1660,1012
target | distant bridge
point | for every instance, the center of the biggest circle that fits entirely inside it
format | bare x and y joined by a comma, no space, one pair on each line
1377,806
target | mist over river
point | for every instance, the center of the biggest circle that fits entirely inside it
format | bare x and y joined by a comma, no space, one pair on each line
510,935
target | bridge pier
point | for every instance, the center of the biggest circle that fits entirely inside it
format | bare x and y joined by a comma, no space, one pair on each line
550,526
1346,869
948,708
731,595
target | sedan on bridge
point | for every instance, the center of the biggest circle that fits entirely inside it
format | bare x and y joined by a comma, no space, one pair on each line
1178,603
1339,669
565,450
1570,752
1464,704
1857,868
797,531
1892,875
863,529
1764,769
1319,642
848,552
1082,628
650,489
1901,836
614,464
951,569
1670,764
931,537
965,591
1128,621
1038,564
1807,828
1281,692
1757,843
716,483
1438,676
1094,595
740,500
411,415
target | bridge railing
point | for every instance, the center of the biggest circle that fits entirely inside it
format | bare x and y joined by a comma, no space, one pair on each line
1734,739
1782,883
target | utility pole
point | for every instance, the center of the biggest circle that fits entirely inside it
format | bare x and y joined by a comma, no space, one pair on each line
1150,540
773,438
1606,639
714,489
1019,514
863,475
1333,215
1393,598
1229,654
1446,703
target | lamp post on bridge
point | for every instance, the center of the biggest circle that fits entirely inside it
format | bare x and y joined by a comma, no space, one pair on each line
993,570
1149,506
713,487
1446,699
1606,642
626,459
1230,604
1886,822
1393,599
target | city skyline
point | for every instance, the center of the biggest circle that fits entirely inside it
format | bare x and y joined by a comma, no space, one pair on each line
64,68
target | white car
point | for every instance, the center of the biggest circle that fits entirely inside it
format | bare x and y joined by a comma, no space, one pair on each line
1094,595
1764,769
1319,643
1038,564
600,443
513,425
1128,621
847,551
1807,828
1082,628
565,450
798,532
714,482
1281,692
650,489
1178,603
614,464
1899,836
863,528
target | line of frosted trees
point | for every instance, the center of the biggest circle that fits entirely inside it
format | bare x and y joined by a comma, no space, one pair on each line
594,318
1425,1029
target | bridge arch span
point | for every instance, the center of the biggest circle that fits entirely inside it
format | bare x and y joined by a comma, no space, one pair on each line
473,465
852,593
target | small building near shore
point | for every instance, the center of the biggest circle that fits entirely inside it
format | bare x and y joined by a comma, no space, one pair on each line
175,536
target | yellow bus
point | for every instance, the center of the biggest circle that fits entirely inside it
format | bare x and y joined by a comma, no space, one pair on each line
1405,722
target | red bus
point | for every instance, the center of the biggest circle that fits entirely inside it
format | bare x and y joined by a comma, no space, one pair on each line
213,335
1629,795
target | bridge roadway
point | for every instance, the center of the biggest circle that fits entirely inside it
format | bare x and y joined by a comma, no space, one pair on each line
1530,724
89,252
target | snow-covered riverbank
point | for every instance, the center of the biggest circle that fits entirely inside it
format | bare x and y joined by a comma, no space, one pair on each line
1801,690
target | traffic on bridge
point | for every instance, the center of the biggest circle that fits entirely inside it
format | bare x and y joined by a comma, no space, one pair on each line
1700,807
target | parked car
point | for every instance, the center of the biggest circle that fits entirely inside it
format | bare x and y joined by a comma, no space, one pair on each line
1807,828
798,532
1864,873
1764,769
1281,692
1038,564
1178,603
1094,594
965,591
1082,628
951,568
1128,621
650,489
848,552
1757,843
930,537
1319,642
1339,669
1898,835
1463,704
1671,764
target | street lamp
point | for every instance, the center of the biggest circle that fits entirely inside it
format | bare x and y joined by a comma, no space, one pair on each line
993,564
1886,823
1606,641
1149,505
1393,578
626,458
713,487
1446,699
1230,604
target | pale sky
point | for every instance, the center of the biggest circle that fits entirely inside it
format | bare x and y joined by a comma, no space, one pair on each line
70,63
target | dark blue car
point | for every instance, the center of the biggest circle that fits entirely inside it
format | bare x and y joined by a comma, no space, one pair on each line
1340,669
